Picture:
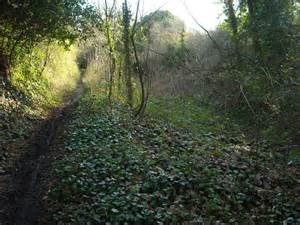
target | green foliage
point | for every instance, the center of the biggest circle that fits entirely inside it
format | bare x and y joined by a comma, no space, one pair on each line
165,18
120,171
265,70
26,25
46,84
35,88
28,22
162,24
275,30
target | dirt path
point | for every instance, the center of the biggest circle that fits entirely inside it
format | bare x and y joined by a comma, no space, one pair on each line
20,201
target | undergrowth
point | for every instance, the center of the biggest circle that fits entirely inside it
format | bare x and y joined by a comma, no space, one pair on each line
120,171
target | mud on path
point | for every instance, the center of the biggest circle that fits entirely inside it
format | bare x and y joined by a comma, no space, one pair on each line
22,193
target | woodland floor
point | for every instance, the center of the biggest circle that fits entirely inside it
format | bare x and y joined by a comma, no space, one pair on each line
93,164
182,164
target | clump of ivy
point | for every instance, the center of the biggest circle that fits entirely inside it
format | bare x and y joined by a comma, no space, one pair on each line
121,171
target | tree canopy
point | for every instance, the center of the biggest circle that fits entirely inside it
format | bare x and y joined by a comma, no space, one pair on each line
23,24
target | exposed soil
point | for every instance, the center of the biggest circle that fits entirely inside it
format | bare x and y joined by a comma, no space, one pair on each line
22,189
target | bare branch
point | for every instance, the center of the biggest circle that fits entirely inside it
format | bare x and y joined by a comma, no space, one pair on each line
136,17
203,28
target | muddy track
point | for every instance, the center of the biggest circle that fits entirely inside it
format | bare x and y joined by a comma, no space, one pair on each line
21,203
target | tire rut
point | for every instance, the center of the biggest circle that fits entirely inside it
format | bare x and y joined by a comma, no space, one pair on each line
21,200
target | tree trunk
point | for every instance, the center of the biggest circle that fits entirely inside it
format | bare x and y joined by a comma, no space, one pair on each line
253,27
127,59
111,47
141,78
4,66
112,62
234,25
